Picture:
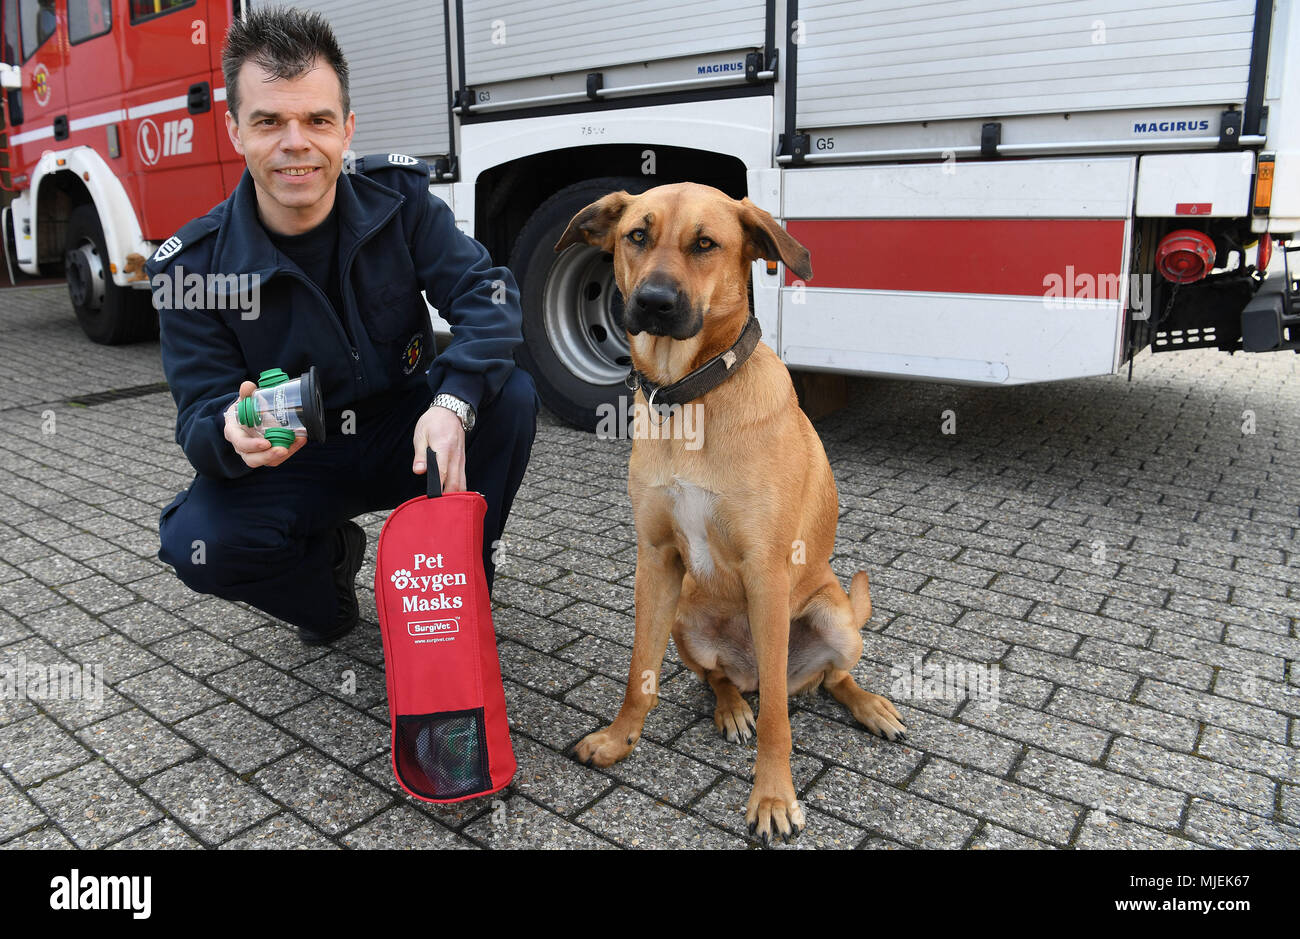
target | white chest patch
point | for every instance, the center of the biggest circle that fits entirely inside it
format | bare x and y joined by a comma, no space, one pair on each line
692,509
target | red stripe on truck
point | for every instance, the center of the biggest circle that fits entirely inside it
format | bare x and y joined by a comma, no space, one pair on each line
994,256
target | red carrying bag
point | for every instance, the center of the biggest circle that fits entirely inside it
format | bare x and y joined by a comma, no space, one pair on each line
446,703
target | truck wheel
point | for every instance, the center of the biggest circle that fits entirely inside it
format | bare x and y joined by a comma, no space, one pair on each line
108,314
575,346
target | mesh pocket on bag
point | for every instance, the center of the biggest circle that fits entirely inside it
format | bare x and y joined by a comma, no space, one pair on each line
443,756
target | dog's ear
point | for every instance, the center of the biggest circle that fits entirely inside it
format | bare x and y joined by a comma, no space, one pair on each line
765,238
596,223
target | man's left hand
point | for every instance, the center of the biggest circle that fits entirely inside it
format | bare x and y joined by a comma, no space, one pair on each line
440,430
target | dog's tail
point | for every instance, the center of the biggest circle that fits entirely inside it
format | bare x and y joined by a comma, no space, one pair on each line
860,598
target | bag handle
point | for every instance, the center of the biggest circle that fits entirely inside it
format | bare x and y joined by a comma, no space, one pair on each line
433,482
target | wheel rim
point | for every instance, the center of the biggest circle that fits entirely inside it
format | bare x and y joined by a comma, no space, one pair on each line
582,311
86,277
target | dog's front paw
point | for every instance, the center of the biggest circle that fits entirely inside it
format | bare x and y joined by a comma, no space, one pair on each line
879,716
604,747
773,815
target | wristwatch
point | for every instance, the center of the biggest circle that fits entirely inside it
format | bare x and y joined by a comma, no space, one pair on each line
458,407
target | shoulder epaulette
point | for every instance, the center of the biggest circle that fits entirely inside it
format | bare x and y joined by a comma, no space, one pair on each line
375,162
188,235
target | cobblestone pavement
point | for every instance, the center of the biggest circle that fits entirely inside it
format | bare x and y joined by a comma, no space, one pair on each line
1123,552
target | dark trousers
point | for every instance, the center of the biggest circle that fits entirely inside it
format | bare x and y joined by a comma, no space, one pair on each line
268,539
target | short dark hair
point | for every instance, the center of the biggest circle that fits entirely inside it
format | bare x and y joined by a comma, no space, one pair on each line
285,41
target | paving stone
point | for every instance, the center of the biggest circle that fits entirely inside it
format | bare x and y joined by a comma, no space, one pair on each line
341,675
1291,804
1146,662
278,833
703,742
24,597
1125,718
534,632
17,812
134,744
1018,632
1271,695
538,671
97,594
168,694
328,796
988,539
118,656
1044,730
889,812
1106,832
1250,753
1225,712
603,697
197,653
937,636
1015,806
1090,677
1193,774
163,835
92,805
1218,654
223,619
634,820
210,801
1088,624
348,735
1097,788
403,827
520,824
555,781
262,688
1225,827
144,623
278,645
237,737
55,570
46,838
995,837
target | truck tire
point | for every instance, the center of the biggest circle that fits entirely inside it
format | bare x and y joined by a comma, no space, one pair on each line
575,346
108,314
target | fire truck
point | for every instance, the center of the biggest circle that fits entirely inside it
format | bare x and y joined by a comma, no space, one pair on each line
992,194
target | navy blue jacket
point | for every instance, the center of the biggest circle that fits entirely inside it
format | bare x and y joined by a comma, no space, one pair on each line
395,239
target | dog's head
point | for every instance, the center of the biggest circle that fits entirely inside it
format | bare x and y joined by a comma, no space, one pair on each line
682,256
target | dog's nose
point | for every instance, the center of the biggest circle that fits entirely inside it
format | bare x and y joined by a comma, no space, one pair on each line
655,298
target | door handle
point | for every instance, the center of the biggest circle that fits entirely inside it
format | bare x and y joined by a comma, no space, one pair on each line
199,98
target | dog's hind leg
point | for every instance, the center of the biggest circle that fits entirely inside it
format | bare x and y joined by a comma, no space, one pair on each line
732,716
839,619
872,711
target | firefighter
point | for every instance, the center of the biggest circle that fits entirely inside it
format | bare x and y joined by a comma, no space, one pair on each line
328,263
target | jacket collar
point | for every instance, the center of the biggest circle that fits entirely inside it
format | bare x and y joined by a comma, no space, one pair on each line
243,247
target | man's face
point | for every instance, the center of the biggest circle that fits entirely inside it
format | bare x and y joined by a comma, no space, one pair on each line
293,134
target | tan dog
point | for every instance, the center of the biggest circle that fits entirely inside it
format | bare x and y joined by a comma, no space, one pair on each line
734,538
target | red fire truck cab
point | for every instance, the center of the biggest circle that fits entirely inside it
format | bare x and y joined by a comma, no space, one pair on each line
110,157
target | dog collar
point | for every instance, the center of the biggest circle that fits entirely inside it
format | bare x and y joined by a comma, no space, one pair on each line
705,378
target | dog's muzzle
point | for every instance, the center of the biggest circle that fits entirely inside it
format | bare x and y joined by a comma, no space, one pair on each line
660,308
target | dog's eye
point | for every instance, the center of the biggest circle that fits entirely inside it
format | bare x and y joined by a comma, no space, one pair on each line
636,236
704,244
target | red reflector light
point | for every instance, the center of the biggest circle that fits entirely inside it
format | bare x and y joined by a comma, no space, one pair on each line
1265,252
1185,256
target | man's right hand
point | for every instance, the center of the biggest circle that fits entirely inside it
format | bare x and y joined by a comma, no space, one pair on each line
253,448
